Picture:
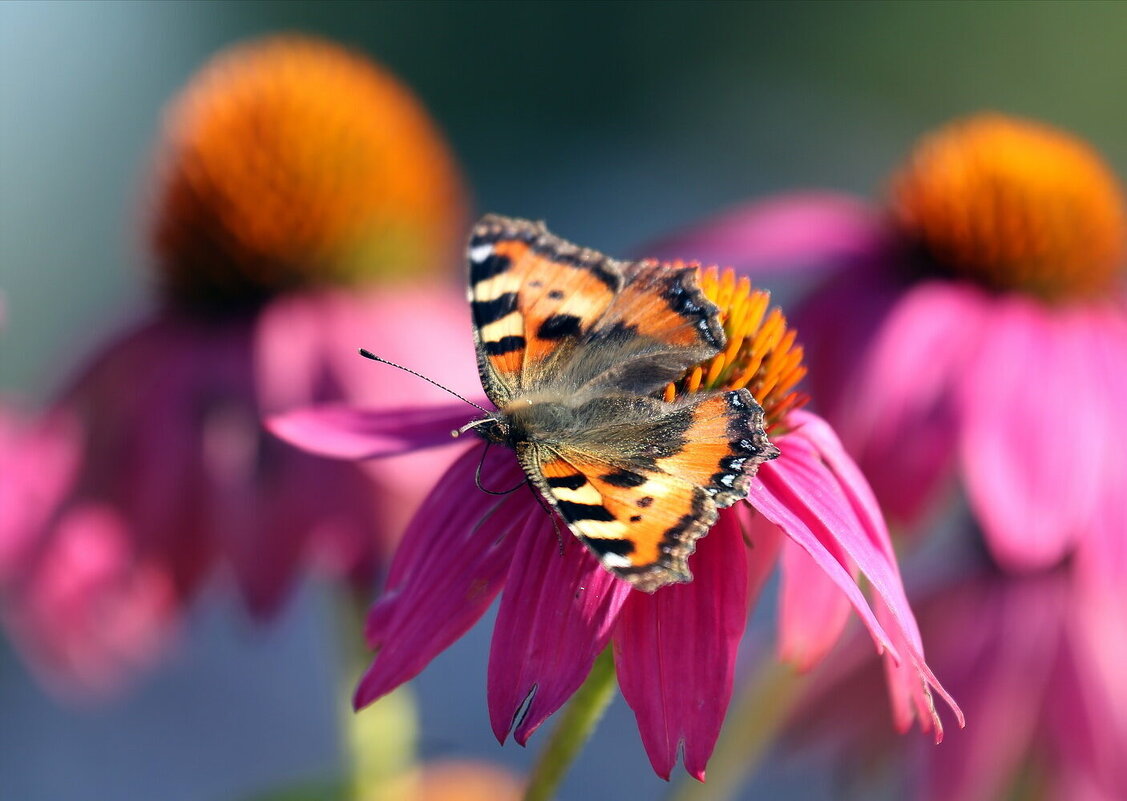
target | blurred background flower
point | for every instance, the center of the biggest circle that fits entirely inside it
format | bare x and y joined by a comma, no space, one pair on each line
293,163
620,120
289,169
978,329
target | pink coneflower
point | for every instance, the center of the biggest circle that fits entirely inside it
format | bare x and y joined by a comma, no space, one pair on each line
291,174
674,649
1036,661
977,330
953,328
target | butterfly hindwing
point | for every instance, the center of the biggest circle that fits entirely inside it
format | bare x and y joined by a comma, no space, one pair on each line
640,508
640,524
728,444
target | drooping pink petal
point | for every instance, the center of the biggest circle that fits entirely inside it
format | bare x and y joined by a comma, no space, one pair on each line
764,540
446,571
1029,480
777,501
910,680
336,536
1086,714
815,475
813,430
800,230
1101,553
345,432
557,613
812,609
996,644
675,651
901,415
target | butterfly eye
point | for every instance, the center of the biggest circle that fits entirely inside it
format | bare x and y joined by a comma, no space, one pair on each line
495,431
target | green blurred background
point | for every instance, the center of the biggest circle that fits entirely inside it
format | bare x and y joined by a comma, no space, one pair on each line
614,122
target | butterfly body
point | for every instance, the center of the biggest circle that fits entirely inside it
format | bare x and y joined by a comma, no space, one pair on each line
573,349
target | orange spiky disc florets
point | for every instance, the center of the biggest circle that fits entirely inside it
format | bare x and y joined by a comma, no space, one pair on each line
292,162
1014,205
760,355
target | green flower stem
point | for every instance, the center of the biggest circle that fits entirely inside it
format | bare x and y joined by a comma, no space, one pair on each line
752,723
381,741
575,727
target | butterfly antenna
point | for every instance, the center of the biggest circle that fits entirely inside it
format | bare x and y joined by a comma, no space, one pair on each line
477,476
367,354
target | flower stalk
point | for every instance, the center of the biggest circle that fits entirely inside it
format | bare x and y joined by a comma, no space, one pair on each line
576,726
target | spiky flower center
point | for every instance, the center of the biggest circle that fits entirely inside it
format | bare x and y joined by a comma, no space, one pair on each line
1014,205
291,162
761,354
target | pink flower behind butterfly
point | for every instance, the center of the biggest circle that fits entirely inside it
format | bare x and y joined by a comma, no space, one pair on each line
150,477
1036,661
976,331
559,608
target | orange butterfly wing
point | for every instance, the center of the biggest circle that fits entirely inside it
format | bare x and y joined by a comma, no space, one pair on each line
572,347
641,515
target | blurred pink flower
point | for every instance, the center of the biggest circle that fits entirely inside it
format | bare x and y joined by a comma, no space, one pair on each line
560,608
1005,366
149,476
977,329
156,453
1036,661
81,610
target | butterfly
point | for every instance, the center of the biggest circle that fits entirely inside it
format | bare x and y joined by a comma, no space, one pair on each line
574,350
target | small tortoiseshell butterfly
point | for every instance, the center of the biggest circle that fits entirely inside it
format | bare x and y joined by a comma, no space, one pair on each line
574,349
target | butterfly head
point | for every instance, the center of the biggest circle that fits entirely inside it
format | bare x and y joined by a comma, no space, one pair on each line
494,428
523,421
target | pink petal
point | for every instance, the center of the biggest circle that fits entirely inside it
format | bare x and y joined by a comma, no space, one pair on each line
446,571
675,651
343,432
306,348
812,610
1101,555
37,466
817,478
1087,712
813,229
996,643
557,614
901,417
342,535
809,428
776,500
1030,481
764,540
86,613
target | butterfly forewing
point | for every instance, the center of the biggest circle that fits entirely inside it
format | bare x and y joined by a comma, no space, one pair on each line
533,297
